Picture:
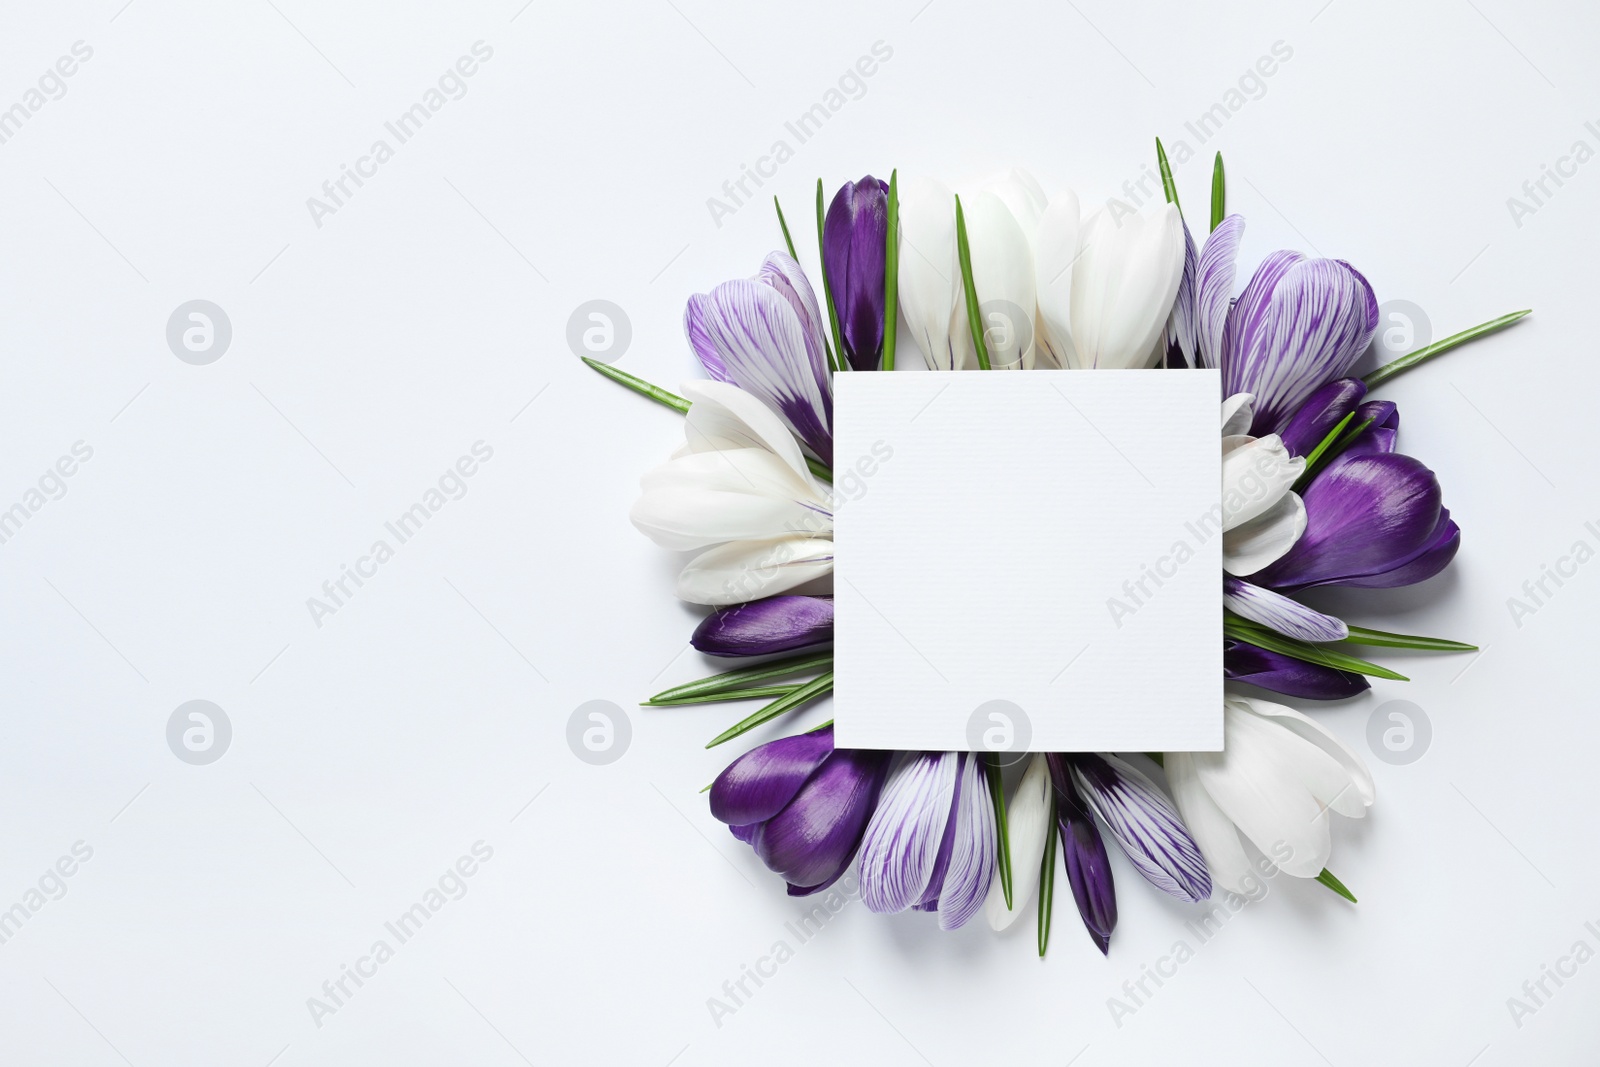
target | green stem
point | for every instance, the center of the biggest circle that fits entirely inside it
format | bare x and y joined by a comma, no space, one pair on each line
1360,635
974,314
742,677
1047,878
1219,193
765,691
817,687
1411,359
784,226
1168,186
997,790
891,272
640,386
1243,630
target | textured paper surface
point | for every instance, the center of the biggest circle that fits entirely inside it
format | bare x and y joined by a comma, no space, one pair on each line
1028,561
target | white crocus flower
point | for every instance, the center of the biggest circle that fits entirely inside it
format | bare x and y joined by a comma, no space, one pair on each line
1262,517
1106,283
932,297
1029,827
740,489
1274,783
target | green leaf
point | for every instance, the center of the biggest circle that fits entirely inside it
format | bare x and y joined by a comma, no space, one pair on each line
1168,186
1327,879
1411,359
640,386
1360,635
1219,193
836,358
1243,630
765,691
1326,453
891,272
801,696
1327,442
974,315
784,226
991,767
1047,878
743,677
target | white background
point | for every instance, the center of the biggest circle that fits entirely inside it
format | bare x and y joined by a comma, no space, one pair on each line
368,354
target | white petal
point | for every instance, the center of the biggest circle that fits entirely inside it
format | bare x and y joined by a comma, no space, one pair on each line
1363,787
1256,473
1267,539
930,274
1002,275
722,415
1213,831
745,570
1028,823
1124,284
1237,413
1056,249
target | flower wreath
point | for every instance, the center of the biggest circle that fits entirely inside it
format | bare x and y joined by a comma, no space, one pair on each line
750,494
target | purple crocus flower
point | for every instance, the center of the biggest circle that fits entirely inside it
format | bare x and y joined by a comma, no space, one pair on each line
1328,405
774,624
1088,865
765,335
1244,662
1374,521
801,804
931,845
853,252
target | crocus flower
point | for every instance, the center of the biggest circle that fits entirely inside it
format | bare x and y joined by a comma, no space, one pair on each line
1107,283
1278,612
853,251
741,492
1374,521
1029,825
1088,867
931,844
1262,517
773,624
1273,784
1244,662
765,335
801,804
1143,821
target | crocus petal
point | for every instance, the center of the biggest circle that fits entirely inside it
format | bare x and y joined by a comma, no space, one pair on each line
1432,558
1238,412
1346,803
930,274
760,783
784,275
853,249
1256,474
902,841
744,570
1213,831
710,497
1213,288
1244,662
1183,347
812,840
1320,413
974,846
1123,285
1365,515
1298,324
1003,278
700,341
1278,612
1088,866
1145,824
762,627
1261,541
1029,827
765,351
1381,435
722,415
1056,249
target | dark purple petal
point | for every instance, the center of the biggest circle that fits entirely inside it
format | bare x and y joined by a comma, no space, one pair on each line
1321,412
853,251
776,624
1299,324
1432,558
1243,662
1280,613
1381,435
1145,823
812,840
760,783
1365,515
1088,865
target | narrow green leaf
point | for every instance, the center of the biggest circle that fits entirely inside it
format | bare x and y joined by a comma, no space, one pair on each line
1327,879
974,315
1168,186
997,790
1330,453
744,677
1411,359
1219,193
801,696
1325,444
891,272
1244,630
640,386
788,242
1047,879
763,691
836,358
1360,635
